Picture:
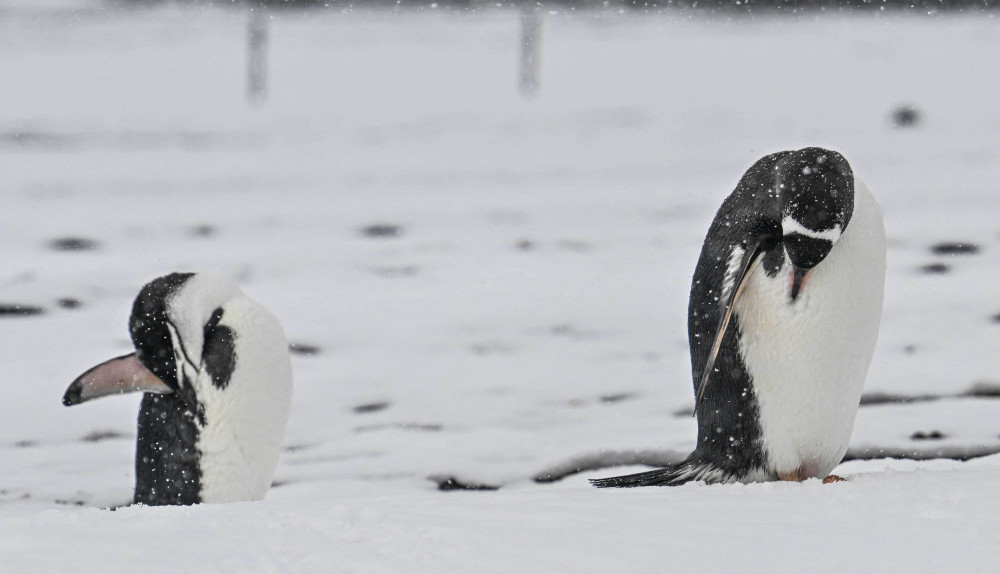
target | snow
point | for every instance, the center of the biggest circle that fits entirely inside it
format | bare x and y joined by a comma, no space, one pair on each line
530,312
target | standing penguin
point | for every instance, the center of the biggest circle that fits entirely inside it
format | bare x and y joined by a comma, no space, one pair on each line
783,316
217,377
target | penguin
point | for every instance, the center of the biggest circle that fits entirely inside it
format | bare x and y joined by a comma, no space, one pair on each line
784,312
216,374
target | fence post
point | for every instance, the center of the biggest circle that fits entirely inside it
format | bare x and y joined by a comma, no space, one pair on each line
530,48
257,40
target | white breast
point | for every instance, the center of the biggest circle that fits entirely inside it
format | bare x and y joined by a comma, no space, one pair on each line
809,359
245,421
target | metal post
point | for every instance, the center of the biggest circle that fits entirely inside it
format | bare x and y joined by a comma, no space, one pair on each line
530,48
257,56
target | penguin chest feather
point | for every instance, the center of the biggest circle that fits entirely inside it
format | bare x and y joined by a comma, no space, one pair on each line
808,358
245,419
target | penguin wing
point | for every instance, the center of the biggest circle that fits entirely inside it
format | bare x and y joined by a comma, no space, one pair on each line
748,259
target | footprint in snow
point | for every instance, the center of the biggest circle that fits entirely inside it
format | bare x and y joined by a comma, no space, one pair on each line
73,244
955,248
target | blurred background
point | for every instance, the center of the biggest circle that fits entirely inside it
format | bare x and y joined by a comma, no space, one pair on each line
476,220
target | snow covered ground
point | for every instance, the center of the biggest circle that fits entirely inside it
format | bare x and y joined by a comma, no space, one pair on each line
530,312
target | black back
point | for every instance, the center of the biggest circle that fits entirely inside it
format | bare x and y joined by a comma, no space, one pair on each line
728,415
167,470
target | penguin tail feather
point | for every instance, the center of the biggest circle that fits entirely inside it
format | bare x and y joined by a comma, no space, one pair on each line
675,475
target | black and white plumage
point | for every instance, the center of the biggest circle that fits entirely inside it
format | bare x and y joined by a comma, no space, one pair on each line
215,369
783,316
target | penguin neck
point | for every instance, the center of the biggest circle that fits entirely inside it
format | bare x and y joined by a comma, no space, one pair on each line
167,462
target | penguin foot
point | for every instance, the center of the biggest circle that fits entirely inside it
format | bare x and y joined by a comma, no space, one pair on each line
833,478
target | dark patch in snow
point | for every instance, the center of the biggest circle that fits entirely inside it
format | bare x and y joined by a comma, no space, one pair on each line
73,244
608,459
563,330
123,140
525,245
371,407
102,435
382,230
932,435
298,447
396,271
303,349
995,318
279,483
18,310
8,495
905,116
204,230
25,444
934,269
615,398
960,453
978,390
69,502
955,248
450,483
984,389
609,399
38,140
686,412
910,349
507,217
574,245
492,348
568,330
422,427
69,303
871,399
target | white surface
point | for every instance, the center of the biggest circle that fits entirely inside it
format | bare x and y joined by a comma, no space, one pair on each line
544,263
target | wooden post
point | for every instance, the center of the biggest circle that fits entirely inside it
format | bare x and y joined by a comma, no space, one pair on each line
257,39
530,48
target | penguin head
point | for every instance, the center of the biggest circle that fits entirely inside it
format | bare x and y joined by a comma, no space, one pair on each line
815,190
179,334
151,336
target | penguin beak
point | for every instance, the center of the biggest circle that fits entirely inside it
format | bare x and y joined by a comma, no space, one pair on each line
798,278
118,376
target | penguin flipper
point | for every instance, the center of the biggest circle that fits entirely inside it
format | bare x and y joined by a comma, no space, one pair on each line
669,476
